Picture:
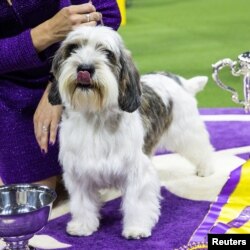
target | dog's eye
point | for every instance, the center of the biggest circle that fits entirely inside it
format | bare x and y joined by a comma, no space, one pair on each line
110,55
70,49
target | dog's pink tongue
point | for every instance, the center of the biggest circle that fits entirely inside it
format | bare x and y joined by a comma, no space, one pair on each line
83,77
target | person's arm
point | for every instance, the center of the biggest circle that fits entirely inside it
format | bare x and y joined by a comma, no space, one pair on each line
56,29
21,52
18,53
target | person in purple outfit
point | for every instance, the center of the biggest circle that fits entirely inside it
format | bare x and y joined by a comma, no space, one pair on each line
30,33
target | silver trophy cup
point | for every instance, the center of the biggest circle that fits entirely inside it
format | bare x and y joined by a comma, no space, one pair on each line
24,210
239,67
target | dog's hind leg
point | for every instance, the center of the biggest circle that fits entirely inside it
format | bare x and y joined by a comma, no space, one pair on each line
84,207
188,136
141,197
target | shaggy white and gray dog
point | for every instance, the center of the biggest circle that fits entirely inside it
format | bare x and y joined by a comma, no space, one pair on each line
112,123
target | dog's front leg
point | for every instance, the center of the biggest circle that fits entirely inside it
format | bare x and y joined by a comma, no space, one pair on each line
141,200
84,207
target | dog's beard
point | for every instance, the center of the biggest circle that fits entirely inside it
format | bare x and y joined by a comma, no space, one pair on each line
101,94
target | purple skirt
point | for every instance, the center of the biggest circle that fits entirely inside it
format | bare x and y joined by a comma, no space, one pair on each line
21,159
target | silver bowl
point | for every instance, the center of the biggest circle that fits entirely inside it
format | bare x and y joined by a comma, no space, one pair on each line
24,210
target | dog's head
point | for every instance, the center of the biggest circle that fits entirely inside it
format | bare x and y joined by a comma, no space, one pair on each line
93,71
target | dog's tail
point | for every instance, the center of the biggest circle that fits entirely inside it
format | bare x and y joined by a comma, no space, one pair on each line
195,84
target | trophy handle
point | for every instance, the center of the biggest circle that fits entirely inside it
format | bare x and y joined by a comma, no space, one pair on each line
246,81
219,66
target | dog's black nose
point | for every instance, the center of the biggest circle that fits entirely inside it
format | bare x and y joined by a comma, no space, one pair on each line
86,67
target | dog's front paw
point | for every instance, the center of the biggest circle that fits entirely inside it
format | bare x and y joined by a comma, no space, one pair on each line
136,233
78,228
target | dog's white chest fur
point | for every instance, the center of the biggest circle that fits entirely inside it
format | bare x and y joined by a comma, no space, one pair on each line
100,147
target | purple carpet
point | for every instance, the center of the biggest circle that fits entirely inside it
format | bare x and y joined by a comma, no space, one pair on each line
227,134
180,217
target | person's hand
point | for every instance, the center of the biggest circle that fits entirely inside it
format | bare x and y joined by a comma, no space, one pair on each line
46,120
70,17
67,19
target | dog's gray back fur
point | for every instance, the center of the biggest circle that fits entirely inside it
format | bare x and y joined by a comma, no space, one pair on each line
156,117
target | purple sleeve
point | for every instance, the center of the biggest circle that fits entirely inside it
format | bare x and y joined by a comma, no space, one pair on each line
110,12
109,9
18,53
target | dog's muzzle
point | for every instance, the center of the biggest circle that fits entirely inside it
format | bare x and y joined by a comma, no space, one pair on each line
84,76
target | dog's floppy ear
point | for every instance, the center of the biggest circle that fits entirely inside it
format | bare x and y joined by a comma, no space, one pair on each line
129,84
54,95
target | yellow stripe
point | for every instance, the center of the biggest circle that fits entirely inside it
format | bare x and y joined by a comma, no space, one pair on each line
122,7
239,199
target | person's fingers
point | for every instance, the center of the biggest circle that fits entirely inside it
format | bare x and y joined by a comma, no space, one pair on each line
44,137
36,129
93,23
86,18
53,131
94,16
42,133
81,8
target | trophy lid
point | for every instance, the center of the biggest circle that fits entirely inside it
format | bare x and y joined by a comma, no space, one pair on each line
245,57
